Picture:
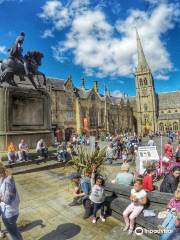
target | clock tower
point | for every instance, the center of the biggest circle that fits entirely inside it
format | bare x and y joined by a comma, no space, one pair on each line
145,94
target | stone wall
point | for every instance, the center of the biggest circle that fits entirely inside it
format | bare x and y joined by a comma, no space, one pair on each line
25,113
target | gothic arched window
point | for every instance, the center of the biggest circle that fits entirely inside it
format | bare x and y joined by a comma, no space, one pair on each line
93,117
83,112
93,97
145,107
175,126
161,127
69,102
141,82
145,81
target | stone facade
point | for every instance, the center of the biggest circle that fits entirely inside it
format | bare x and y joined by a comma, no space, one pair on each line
82,110
153,111
25,113
63,108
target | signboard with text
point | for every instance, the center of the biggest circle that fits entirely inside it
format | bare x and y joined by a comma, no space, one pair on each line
147,155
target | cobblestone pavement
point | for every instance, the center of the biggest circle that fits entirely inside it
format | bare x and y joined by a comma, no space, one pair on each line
45,214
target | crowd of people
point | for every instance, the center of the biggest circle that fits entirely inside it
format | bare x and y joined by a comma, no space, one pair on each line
20,153
92,196
89,189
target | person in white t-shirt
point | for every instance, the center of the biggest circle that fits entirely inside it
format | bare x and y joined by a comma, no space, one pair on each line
151,141
138,200
23,151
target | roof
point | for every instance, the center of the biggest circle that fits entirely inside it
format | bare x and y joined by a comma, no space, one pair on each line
169,100
56,83
83,93
115,100
142,63
132,101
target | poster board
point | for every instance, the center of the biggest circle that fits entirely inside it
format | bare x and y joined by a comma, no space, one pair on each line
146,155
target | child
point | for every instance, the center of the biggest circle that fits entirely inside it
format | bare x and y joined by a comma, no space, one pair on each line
170,220
124,155
148,180
158,170
138,200
97,196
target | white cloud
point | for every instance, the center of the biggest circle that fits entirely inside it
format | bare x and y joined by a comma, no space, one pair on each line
47,33
117,94
62,15
162,77
154,2
3,50
92,42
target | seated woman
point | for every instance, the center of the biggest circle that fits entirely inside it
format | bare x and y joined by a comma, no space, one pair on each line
125,177
12,153
171,217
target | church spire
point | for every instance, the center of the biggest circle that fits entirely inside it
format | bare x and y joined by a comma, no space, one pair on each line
142,63
83,83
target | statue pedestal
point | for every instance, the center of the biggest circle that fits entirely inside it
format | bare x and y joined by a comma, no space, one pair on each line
24,114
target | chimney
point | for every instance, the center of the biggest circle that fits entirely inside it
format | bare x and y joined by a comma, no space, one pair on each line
96,86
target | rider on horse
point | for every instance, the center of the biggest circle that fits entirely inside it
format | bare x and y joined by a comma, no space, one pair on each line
16,52
21,65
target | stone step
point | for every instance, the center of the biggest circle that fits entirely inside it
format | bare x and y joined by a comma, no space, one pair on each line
35,160
35,166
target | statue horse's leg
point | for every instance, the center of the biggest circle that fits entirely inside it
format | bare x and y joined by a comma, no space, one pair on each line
43,75
32,81
44,78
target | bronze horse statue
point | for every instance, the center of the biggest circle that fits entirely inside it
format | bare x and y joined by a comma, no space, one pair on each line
13,66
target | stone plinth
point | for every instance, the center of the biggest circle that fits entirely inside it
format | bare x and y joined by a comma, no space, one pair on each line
24,113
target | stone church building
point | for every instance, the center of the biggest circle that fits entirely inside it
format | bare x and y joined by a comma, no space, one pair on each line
81,110
86,111
153,111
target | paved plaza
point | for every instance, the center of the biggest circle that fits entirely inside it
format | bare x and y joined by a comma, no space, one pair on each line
45,214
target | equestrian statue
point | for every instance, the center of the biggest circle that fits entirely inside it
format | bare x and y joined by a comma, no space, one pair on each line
22,65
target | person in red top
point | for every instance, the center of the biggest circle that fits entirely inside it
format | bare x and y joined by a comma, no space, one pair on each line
148,180
168,150
178,152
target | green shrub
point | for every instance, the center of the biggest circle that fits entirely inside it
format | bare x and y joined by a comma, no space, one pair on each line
84,159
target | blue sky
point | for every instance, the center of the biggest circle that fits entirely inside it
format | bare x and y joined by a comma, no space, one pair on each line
95,39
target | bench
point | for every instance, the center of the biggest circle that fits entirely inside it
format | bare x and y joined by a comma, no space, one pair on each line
118,199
